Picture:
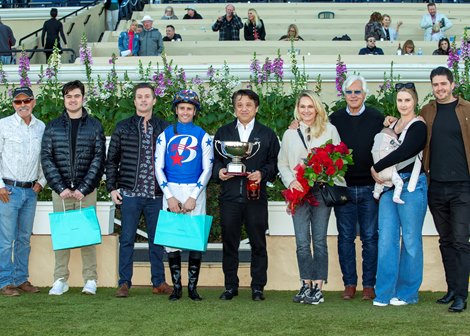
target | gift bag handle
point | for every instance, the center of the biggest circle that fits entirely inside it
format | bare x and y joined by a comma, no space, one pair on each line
63,205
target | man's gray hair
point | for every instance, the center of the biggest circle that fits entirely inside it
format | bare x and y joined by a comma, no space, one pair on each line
353,78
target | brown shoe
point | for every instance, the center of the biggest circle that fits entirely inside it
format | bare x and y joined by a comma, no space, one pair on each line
123,291
28,288
10,291
164,288
349,292
368,293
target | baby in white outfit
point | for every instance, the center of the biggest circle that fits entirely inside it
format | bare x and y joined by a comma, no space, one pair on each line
386,142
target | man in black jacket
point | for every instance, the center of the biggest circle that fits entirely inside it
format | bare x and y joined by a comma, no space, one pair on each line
72,157
130,178
235,207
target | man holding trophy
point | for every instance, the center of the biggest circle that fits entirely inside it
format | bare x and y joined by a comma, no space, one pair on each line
245,159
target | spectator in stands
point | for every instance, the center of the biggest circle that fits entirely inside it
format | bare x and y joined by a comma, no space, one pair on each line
191,13
434,24
409,47
171,35
129,42
292,34
254,27
391,34
228,25
140,27
371,48
50,31
7,40
112,13
169,14
374,27
443,47
151,42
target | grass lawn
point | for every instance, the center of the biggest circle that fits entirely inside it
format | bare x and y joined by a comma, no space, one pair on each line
146,314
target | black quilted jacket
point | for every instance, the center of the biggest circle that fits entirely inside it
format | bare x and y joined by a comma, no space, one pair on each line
90,151
123,153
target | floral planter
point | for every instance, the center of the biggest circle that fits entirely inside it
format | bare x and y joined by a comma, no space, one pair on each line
104,211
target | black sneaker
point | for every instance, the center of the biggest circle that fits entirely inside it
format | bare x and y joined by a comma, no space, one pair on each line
300,296
314,296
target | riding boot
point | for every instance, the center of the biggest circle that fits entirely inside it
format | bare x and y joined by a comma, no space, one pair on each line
174,260
194,266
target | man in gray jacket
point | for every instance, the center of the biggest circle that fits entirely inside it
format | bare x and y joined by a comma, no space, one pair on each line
151,41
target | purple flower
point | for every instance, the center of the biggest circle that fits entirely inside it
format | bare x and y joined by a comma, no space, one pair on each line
210,72
278,64
453,59
254,66
23,69
341,71
196,81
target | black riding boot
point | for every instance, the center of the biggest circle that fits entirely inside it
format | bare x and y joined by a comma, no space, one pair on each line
174,260
194,266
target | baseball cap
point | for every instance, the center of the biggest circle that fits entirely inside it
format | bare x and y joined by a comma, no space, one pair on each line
147,18
22,90
190,7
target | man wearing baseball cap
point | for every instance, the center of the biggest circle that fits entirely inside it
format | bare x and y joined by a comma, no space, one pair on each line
21,178
151,41
191,13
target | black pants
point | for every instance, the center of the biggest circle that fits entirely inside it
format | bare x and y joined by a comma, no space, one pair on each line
254,214
449,203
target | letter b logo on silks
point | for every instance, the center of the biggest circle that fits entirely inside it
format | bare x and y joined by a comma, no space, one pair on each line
182,149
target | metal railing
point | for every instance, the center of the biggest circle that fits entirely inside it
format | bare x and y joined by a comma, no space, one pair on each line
74,13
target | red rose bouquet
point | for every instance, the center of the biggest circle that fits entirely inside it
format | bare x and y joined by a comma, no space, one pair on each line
325,164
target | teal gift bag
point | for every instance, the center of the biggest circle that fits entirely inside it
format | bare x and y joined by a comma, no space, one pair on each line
186,232
74,228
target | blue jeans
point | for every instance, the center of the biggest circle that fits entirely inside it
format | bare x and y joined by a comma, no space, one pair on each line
6,59
361,209
400,269
16,225
310,226
132,209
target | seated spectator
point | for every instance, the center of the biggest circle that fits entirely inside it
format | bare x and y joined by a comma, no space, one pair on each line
292,34
409,47
443,47
228,25
128,41
391,34
191,13
170,35
254,27
371,49
169,14
374,27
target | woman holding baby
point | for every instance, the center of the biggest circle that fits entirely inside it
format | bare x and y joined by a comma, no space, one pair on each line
400,266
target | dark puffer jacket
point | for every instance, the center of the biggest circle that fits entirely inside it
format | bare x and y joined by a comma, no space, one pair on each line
123,154
90,152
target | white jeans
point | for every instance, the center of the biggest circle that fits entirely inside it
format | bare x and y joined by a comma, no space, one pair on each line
111,19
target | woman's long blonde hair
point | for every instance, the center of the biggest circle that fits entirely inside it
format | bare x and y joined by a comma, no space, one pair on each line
321,118
257,22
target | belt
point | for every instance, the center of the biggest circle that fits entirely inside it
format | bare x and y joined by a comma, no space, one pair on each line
19,183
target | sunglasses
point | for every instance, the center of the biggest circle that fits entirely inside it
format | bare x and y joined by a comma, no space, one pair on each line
399,86
350,92
309,137
370,40
26,101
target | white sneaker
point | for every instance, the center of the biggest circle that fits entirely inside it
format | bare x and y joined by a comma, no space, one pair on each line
90,287
59,287
379,304
397,302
